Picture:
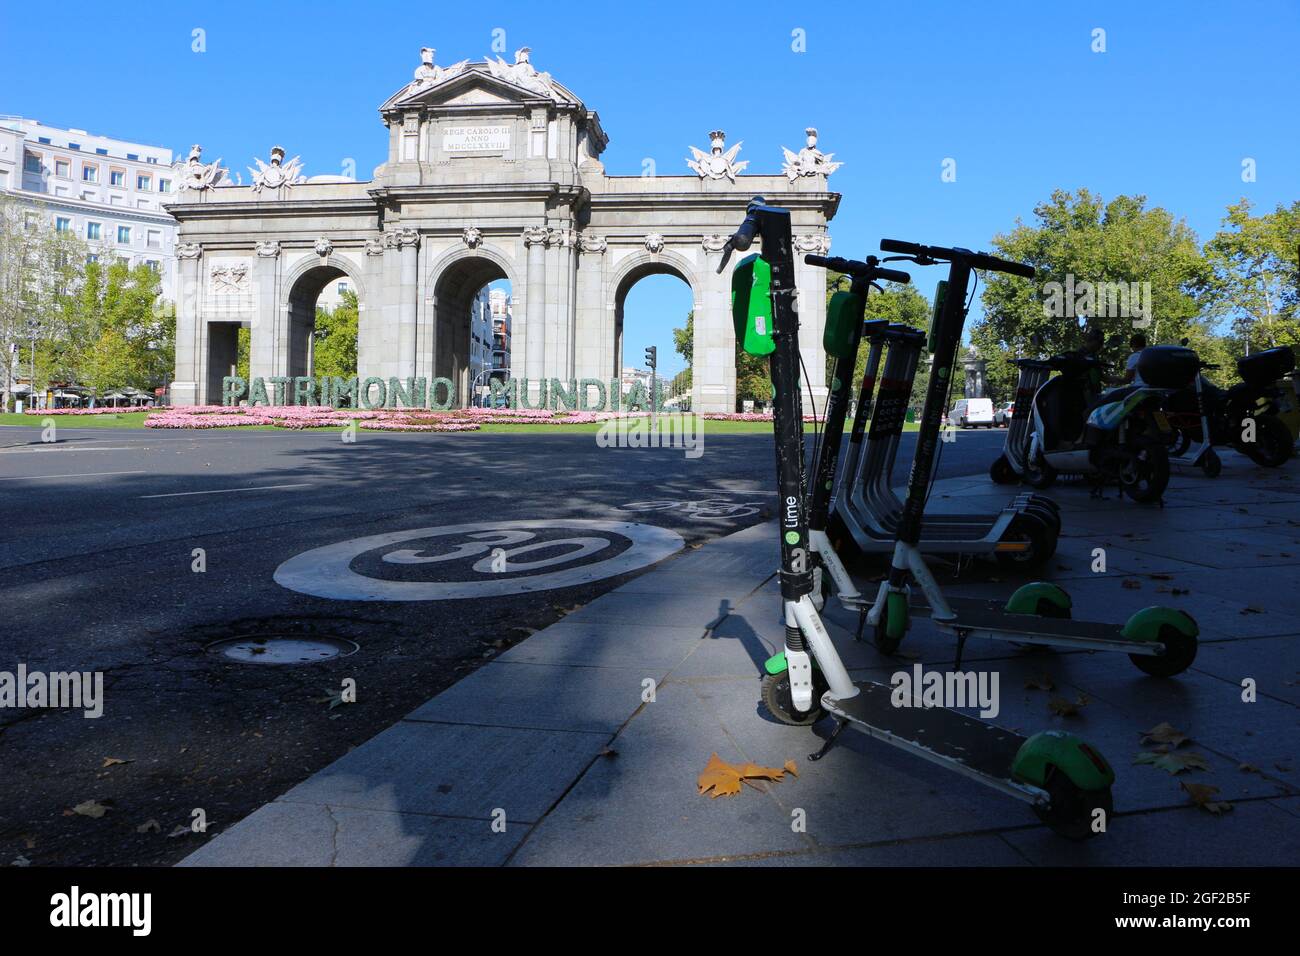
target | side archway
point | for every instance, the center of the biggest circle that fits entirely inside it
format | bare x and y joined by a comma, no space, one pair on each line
302,287
455,278
631,270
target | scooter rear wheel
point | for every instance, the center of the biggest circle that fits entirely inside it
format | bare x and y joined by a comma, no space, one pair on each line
1151,476
1039,474
1180,651
780,704
1070,814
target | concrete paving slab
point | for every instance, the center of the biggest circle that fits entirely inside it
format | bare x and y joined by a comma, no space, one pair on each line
1272,662
304,834
672,610
983,850
642,806
607,644
541,697
1254,833
454,770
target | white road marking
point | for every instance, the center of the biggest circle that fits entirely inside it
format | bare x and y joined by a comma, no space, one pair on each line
89,474
326,572
22,450
226,491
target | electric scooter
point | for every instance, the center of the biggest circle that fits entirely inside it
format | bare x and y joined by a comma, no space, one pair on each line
1123,438
867,511
1009,467
1067,782
1160,641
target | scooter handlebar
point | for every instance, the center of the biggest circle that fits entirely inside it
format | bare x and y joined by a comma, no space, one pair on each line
976,260
855,268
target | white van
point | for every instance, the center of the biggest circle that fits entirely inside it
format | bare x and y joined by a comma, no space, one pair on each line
969,412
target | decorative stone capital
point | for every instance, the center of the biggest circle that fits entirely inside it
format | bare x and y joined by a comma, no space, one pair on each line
713,243
375,246
323,247
537,236
816,244
596,244
188,250
654,243
472,236
401,237
564,238
268,249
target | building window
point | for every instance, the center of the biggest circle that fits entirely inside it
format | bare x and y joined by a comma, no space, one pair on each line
4,179
133,156
144,182
93,230
343,287
152,159
63,168
164,185
90,174
43,139
154,265
32,162
76,146
101,151
92,257
116,177
62,224
154,239
124,235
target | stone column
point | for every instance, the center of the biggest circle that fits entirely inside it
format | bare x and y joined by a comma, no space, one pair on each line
372,309
407,241
713,385
811,283
189,325
262,335
536,239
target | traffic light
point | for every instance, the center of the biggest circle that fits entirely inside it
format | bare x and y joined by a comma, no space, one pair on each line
651,354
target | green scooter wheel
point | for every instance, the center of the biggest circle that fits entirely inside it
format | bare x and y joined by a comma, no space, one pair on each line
891,632
780,704
1180,651
1072,809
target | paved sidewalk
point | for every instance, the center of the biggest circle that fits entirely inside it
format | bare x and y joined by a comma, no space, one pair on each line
550,755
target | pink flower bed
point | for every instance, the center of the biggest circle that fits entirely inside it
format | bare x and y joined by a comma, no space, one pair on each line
42,412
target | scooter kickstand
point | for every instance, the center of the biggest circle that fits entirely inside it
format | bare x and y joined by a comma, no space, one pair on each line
840,724
961,646
862,623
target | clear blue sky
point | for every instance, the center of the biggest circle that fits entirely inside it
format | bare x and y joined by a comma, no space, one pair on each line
1011,91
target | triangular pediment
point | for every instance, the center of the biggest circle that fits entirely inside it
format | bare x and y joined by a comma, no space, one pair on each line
481,83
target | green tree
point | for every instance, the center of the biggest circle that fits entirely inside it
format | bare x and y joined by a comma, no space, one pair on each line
1076,238
335,350
1256,284
115,332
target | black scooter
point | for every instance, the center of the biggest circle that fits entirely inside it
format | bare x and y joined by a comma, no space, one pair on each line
1243,417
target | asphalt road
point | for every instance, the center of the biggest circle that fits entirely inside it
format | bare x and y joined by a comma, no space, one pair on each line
98,573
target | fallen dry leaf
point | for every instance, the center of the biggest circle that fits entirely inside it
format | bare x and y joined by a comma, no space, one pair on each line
89,808
1249,768
791,768
1165,733
1172,763
721,779
1063,707
113,761
149,826
1202,794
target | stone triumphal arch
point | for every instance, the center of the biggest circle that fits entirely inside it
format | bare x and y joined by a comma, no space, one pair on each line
493,172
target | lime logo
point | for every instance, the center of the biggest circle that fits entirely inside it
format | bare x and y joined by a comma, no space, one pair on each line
943,373
835,384
792,537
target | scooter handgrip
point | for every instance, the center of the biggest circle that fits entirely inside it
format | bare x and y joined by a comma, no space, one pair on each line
898,245
893,275
982,260
826,262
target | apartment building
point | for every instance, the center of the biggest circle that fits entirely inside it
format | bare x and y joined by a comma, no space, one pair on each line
502,311
110,192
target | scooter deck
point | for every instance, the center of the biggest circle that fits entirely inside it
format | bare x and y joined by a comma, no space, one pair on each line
979,614
970,746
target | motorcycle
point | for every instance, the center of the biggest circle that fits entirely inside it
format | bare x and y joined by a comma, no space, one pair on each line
1246,417
1122,437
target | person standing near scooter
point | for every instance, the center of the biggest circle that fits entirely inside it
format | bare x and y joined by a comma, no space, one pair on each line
1137,342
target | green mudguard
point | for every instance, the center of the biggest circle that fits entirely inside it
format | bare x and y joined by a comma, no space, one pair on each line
1041,598
1145,625
1085,767
751,305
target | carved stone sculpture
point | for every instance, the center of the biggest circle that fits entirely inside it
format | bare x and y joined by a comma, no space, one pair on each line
197,175
323,247
716,164
592,243
230,278
472,236
809,161
277,173
268,249
816,244
654,243
428,73
713,243
188,250
536,235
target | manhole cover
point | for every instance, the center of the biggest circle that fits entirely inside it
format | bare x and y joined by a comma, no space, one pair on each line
282,649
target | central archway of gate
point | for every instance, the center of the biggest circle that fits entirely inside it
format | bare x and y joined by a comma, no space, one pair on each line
472,312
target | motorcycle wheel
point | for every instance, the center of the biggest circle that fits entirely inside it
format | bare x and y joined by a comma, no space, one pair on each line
1273,444
1001,471
1151,474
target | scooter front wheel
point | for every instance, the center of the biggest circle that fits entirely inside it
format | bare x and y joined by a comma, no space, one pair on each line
1001,471
1039,474
780,704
